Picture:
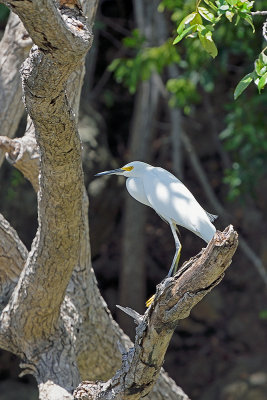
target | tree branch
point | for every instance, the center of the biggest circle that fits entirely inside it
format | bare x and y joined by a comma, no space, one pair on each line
23,154
14,48
259,13
174,299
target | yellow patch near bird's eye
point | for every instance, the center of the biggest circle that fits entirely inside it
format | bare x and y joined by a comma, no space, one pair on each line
127,168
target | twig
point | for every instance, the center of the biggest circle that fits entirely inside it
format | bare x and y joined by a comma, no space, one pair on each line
259,13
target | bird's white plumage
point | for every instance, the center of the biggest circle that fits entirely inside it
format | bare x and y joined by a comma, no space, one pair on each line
173,201
170,198
136,189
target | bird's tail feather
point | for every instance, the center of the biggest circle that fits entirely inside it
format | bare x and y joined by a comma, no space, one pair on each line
212,217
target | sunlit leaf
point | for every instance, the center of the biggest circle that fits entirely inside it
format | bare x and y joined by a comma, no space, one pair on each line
207,42
206,14
185,21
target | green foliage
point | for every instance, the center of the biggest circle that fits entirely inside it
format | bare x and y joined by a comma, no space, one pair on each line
184,93
130,71
259,75
201,23
243,84
245,138
210,21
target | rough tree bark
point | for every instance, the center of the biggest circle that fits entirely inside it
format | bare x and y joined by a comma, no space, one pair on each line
53,315
174,299
14,48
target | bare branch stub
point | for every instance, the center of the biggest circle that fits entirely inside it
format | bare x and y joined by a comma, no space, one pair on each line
175,297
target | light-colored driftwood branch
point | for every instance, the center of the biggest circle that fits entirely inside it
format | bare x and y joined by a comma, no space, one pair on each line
175,297
23,153
14,48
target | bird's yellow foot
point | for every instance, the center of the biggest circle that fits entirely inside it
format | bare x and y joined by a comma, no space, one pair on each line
150,301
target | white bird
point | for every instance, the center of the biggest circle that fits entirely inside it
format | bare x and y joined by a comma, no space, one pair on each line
169,197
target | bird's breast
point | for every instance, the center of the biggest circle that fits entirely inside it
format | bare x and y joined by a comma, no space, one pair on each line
136,189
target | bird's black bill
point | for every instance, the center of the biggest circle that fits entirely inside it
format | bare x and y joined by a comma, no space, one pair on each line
113,171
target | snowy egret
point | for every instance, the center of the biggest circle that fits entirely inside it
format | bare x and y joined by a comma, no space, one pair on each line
168,196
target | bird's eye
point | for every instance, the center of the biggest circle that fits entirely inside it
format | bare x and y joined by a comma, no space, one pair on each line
127,168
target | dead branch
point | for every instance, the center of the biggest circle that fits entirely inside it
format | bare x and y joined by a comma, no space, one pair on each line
14,48
174,299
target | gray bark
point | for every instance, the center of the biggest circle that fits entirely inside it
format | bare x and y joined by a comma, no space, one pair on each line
14,47
174,299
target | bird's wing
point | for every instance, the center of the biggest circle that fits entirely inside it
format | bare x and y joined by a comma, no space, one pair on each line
173,201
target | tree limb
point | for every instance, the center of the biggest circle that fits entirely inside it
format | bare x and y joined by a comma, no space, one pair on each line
23,153
174,299
14,48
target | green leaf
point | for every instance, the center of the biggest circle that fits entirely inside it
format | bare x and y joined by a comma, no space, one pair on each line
207,42
248,18
185,21
262,82
183,34
196,20
260,67
243,84
206,14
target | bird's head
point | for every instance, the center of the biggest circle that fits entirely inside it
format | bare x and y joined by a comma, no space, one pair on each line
132,169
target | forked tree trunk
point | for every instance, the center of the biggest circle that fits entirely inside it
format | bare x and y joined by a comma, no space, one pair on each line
52,314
